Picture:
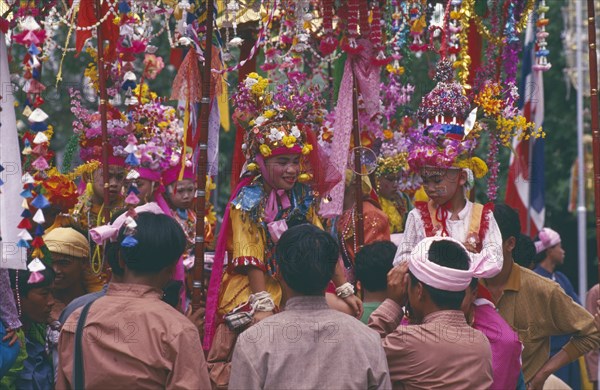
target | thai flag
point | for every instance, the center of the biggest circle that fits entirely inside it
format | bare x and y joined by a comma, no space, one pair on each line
525,185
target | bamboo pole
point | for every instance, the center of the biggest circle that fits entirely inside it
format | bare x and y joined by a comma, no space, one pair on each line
198,281
593,59
360,229
103,117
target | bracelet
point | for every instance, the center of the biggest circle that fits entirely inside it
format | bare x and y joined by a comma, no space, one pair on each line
345,290
261,301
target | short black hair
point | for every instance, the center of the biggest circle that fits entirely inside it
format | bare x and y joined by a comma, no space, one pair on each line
372,264
111,254
111,249
22,275
306,257
524,251
160,243
450,255
508,221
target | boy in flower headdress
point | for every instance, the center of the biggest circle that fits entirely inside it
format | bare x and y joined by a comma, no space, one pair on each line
443,155
271,196
89,211
376,224
180,194
394,180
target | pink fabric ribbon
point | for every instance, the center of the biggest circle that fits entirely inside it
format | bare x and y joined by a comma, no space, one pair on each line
276,229
275,197
367,76
272,206
101,234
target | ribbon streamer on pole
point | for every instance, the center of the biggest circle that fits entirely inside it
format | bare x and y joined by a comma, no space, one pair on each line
360,226
198,273
103,117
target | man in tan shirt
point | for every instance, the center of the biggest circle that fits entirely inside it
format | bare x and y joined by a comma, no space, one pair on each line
131,338
308,345
440,350
537,308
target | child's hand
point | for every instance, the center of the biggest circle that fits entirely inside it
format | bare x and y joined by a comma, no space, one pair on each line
11,337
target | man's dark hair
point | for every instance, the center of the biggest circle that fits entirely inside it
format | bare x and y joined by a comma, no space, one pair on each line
373,262
160,243
23,277
450,255
508,221
524,251
111,254
306,257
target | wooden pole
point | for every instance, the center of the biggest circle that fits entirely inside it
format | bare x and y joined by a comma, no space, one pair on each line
198,281
594,109
360,228
103,117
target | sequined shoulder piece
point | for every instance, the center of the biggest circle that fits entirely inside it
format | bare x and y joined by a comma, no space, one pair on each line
249,198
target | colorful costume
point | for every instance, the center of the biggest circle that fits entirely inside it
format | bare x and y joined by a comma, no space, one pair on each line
445,141
375,222
255,219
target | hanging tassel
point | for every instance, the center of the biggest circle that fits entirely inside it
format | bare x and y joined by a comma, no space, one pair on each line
186,124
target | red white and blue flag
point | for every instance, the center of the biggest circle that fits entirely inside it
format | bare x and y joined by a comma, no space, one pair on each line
525,185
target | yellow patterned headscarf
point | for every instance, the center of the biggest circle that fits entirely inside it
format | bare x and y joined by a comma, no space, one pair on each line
68,241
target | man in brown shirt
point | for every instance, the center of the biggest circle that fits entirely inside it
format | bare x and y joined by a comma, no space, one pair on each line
308,345
439,350
131,338
537,308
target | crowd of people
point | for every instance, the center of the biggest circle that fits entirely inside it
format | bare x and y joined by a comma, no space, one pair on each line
294,299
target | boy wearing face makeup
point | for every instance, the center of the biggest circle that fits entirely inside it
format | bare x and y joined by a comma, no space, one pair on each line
272,195
442,153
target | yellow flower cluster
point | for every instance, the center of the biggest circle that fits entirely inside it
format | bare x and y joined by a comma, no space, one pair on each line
288,140
517,126
146,95
397,70
84,169
265,150
490,99
475,164
393,164
306,149
260,86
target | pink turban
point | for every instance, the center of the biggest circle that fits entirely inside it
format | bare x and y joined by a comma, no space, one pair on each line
547,239
444,278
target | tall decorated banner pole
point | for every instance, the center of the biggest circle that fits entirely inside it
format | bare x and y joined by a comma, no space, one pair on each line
103,117
198,281
593,58
360,228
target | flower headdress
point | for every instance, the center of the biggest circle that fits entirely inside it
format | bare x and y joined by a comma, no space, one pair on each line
284,122
276,123
156,135
448,134
60,190
88,126
393,160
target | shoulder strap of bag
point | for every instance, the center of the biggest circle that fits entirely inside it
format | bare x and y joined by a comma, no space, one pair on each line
78,374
